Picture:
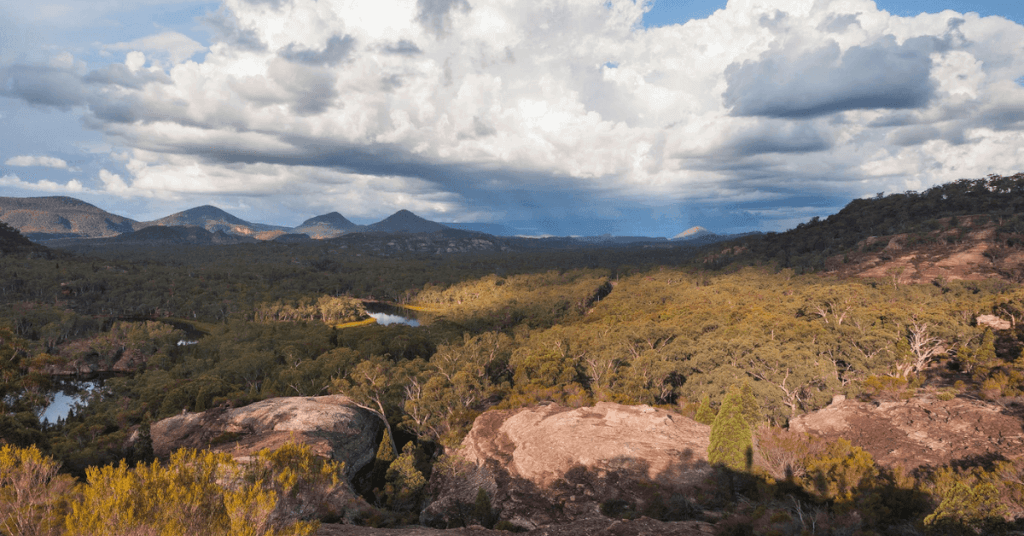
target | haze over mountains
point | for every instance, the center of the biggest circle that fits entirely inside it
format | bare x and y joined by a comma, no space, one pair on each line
46,219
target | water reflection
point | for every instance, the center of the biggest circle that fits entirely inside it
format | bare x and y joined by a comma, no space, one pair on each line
385,319
70,395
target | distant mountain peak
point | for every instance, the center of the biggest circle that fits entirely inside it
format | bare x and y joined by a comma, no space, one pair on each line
692,232
213,219
42,218
331,218
327,225
208,211
405,221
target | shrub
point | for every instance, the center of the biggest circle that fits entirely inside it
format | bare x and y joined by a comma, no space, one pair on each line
835,473
33,497
306,484
783,453
967,509
200,492
888,388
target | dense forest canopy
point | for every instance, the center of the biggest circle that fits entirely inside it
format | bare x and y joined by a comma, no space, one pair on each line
194,328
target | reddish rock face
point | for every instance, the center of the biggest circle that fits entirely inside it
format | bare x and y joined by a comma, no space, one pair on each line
552,464
335,427
921,431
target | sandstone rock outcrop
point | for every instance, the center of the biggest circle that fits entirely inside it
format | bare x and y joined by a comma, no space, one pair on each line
550,464
921,431
333,426
993,322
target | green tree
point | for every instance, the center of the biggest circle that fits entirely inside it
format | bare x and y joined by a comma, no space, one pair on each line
405,483
751,408
384,459
731,439
705,415
482,510
973,359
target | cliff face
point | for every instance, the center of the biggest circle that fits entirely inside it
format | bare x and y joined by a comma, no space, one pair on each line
333,426
551,464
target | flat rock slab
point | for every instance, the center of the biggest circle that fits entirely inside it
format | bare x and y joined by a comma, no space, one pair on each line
920,431
334,427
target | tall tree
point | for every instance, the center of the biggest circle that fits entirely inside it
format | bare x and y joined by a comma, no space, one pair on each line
705,415
731,439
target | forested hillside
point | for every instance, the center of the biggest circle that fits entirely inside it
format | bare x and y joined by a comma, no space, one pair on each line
807,247
196,328
55,217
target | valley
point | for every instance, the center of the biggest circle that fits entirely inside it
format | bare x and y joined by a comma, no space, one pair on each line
862,373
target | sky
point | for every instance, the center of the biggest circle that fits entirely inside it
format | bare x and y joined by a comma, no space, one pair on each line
561,117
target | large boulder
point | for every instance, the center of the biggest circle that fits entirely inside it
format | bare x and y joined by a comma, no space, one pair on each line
550,464
922,431
334,427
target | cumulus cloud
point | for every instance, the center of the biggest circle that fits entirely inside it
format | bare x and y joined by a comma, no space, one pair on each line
512,107
40,161
13,181
113,183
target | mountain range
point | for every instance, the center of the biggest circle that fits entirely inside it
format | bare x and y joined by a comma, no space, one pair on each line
62,220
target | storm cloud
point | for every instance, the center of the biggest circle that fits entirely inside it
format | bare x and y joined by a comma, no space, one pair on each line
498,110
826,80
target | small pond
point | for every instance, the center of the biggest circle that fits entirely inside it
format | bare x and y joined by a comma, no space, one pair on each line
67,396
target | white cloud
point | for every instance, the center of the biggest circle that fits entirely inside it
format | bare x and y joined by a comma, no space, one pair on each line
13,181
135,60
40,161
172,46
506,105
114,184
